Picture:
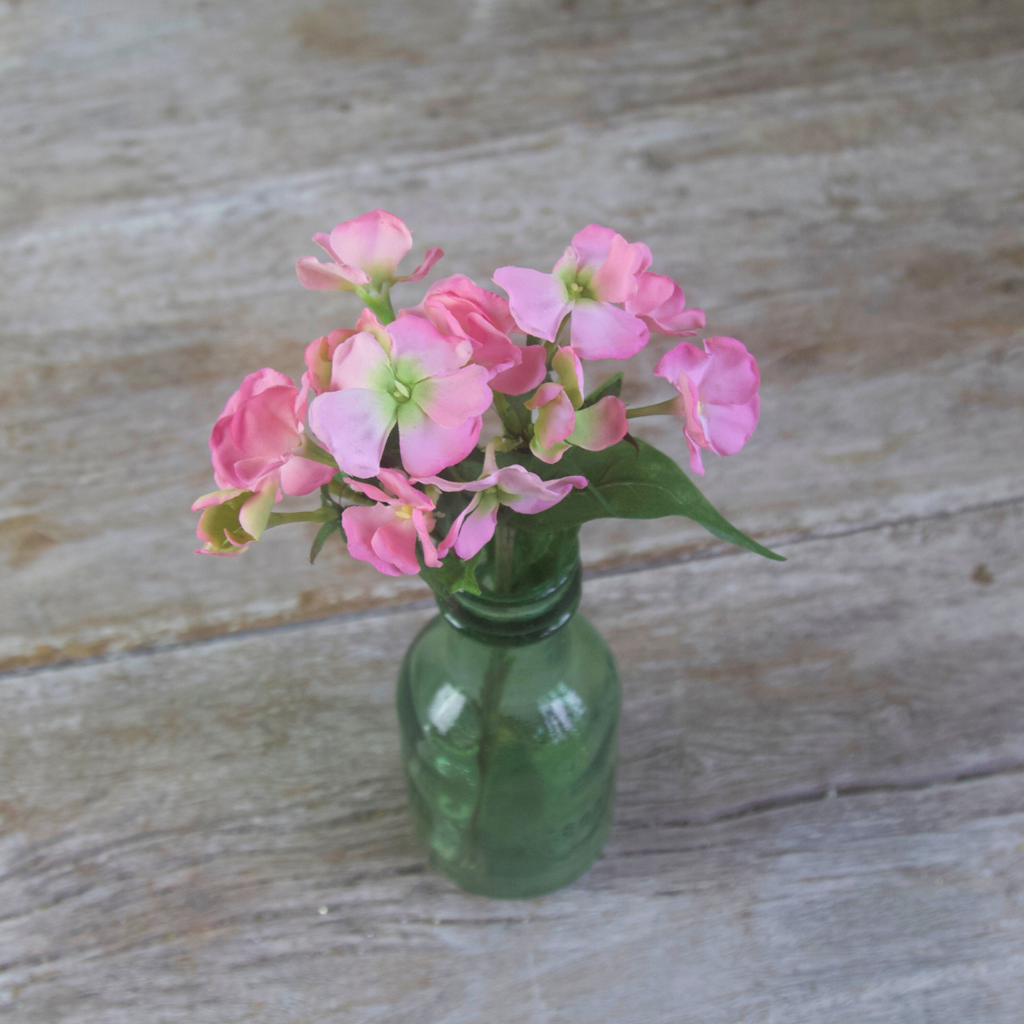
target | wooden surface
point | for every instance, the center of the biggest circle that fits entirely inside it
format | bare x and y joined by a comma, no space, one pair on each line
820,812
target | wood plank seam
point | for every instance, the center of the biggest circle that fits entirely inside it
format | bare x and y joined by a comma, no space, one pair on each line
783,802
634,566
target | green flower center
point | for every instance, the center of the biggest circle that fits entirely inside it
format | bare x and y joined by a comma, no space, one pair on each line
400,392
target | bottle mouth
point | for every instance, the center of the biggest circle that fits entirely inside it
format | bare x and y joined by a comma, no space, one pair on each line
520,617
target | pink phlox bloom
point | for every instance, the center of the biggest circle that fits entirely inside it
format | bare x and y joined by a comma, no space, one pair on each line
406,374
366,252
514,486
232,519
661,304
561,419
718,399
460,308
385,534
257,442
597,271
320,351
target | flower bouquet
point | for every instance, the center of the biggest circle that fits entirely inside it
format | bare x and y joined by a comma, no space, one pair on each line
508,700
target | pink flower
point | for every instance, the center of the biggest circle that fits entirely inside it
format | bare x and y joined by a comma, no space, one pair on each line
258,441
385,534
599,269
514,486
718,397
561,420
405,374
660,303
231,520
318,356
366,252
320,351
459,308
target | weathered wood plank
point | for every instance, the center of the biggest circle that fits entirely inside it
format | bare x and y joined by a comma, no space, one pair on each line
173,822
874,270
155,99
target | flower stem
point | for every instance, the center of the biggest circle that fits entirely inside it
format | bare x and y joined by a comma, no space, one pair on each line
504,543
379,302
667,407
492,689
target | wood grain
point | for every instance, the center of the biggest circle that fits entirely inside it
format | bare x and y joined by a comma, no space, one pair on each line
819,812
840,191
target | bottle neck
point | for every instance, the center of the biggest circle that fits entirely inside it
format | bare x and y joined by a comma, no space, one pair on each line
521,617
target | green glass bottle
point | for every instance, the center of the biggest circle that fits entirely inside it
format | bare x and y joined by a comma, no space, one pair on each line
508,706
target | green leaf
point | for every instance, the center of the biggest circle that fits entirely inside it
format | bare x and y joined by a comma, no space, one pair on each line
455,574
630,483
321,537
612,386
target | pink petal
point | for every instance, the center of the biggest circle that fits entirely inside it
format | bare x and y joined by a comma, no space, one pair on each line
374,242
302,476
216,498
255,512
424,523
728,427
360,362
451,399
661,303
328,277
615,279
361,524
556,417
353,426
652,291
478,526
732,376
398,484
525,492
462,300
453,533
395,542
433,255
592,244
600,425
568,265
465,297
265,426
538,301
256,431
419,350
371,491
569,370
428,448
491,348
545,393
324,241
526,376
451,486
318,358
602,331
696,464
684,359
549,455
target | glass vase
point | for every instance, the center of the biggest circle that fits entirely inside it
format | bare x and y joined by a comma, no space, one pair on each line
508,707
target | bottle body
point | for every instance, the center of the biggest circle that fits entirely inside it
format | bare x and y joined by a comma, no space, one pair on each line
508,711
